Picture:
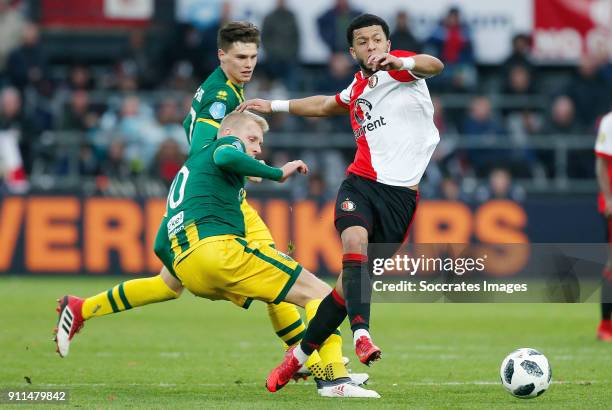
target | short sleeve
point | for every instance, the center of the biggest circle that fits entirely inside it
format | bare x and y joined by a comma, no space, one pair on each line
603,144
216,104
404,76
343,98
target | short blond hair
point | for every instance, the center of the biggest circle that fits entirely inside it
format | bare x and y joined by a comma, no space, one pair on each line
235,118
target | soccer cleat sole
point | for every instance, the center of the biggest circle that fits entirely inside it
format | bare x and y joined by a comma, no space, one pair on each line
606,337
372,358
297,377
360,379
275,388
66,324
347,390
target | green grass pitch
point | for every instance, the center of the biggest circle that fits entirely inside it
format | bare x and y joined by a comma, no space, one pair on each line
192,353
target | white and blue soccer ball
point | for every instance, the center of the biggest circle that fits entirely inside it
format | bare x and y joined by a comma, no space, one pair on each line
525,373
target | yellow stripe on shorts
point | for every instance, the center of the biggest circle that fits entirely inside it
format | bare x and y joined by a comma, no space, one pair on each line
293,273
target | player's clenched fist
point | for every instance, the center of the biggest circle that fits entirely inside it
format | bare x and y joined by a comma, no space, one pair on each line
384,62
292,167
257,104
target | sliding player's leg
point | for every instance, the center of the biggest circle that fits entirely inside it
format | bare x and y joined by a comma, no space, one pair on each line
74,311
254,271
284,317
274,277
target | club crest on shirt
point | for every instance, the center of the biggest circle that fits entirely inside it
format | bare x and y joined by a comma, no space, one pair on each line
348,206
373,81
217,110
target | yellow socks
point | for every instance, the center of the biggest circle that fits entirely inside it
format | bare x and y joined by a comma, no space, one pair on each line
133,293
330,351
287,323
331,356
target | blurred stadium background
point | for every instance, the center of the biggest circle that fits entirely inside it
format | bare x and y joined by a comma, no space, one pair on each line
93,93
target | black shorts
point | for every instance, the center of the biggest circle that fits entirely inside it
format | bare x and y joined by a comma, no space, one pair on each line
386,211
608,226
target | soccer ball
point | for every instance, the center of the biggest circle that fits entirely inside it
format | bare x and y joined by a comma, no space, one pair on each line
525,373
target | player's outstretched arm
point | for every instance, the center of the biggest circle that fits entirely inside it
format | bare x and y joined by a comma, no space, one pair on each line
421,65
315,106
230,159
292,167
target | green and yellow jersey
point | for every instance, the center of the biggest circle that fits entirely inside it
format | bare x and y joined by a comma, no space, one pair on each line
216,97
206,195
213,100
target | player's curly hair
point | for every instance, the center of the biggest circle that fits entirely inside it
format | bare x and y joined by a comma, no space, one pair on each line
365,20
234,31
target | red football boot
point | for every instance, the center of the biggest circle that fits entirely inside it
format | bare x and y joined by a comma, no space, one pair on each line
604,331
69,323
367,351
284,372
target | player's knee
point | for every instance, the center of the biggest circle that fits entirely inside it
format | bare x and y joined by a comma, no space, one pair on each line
308,287
315,287
173,283
355,240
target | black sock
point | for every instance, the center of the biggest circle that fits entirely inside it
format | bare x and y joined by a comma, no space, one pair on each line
357,290
606,311
329,316
606,295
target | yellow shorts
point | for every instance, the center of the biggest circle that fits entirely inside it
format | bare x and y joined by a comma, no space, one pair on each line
256,229
226,267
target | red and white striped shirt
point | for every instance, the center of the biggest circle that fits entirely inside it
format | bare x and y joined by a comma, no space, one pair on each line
392,120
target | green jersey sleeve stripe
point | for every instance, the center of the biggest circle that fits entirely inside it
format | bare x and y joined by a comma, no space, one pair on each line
209,121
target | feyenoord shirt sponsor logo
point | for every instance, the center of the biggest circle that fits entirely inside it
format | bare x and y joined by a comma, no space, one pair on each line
373,81
361,113
362,109
348,206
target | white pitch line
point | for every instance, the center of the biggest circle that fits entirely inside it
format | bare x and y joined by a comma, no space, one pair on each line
488,383
407,384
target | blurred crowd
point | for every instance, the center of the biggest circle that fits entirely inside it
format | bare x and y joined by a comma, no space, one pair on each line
120,120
